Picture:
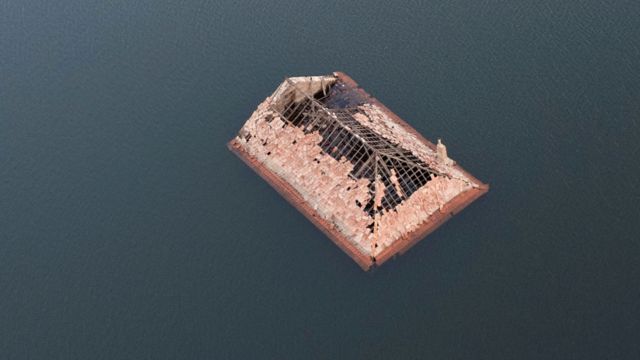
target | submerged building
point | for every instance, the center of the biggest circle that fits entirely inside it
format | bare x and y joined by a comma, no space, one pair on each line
361,174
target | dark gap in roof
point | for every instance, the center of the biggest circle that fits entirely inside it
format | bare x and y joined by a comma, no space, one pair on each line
400,172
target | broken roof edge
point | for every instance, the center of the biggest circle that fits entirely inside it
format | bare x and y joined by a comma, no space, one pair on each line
366,262
406,126
312,84
362,258
294,198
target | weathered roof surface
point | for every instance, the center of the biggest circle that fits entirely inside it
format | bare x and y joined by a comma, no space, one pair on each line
358,172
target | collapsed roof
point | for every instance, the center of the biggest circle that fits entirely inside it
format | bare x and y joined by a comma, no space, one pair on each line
361,174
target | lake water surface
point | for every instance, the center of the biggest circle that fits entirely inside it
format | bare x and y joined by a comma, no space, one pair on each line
129,231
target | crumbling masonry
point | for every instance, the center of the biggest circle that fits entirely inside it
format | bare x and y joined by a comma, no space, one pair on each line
357,171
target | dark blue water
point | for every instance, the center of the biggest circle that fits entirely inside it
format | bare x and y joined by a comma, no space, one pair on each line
128,231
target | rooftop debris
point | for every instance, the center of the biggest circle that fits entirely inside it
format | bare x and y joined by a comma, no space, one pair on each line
361,174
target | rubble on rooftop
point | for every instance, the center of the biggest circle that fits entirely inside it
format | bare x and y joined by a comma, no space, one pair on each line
362,172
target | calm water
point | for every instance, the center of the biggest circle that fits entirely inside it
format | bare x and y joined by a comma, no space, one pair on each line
128,231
